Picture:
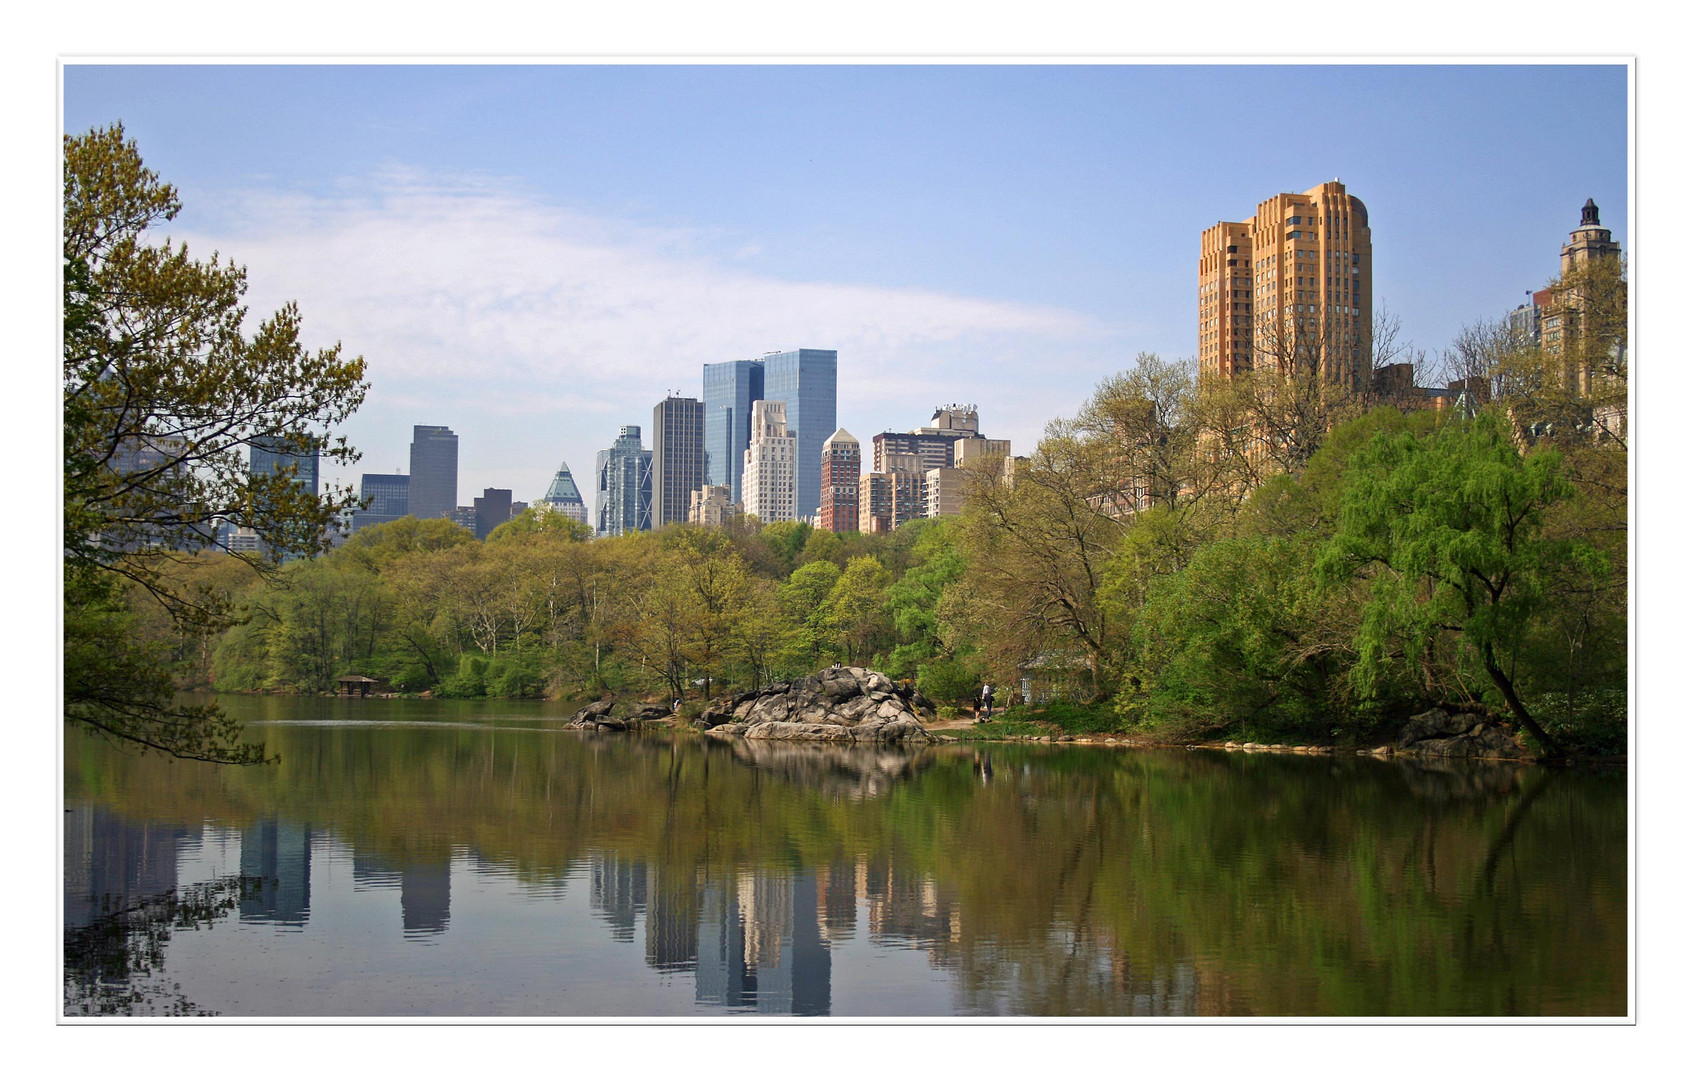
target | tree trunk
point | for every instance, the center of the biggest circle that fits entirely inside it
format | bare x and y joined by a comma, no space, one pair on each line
1515,706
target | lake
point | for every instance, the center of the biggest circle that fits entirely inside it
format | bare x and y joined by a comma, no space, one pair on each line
422,858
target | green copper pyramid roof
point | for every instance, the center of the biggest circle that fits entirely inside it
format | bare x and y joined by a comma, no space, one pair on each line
563,489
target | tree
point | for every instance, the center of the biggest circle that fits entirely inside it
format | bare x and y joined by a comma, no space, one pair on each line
803,597
915,595
1038,548
539,521
164,391
856,612
1240,636
1141,423
1449,530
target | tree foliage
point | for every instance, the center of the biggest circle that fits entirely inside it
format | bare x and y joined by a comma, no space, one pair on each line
1450,531
165,390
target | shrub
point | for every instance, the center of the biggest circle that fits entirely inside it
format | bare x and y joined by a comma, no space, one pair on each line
468,681
1070,717
948,682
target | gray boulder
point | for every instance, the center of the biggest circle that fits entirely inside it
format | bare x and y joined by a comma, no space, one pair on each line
846,704
1433,724
1437,733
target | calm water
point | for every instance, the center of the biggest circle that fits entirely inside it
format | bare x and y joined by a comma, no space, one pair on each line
457,859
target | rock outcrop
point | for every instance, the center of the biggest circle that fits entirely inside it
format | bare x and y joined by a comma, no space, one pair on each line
844,705
1437,733
606,715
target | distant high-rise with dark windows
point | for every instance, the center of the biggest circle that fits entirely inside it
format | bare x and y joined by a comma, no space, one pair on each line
272,455
267,456
385,499
493,508
434,489
679,464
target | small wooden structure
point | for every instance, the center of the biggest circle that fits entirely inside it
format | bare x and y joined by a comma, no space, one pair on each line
358,686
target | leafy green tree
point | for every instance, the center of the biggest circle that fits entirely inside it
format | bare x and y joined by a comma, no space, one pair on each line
803,597
1449,531
784,540
1039,548
760,638
914,597
822,545
376,546
164,392
856,612
536,521
1241,637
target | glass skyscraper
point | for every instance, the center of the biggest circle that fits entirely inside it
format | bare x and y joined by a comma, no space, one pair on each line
272,455
728,394
624,485
805,380
385,496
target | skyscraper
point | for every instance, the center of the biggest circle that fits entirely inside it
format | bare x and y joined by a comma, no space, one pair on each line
493,509
273,455
564,497
267,456
1288,289
769,465
1584,321
434,490
1562,314
679,463
385,498
894,495
937,444
728,393
805,380
1589,241
623,485
839,483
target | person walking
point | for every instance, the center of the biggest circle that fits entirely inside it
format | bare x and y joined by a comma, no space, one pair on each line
987,699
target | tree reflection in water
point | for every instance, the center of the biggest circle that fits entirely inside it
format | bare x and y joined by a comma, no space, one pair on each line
113,964
1040,880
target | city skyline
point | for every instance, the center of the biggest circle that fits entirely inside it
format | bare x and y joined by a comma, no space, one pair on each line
1010,233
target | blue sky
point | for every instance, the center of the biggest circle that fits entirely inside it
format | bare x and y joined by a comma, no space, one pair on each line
535,255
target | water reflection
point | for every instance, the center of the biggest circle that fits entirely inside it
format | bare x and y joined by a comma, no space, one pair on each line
650,876
110,859
279,854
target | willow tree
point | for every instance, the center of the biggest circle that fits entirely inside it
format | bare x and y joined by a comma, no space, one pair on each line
165,393
1449,532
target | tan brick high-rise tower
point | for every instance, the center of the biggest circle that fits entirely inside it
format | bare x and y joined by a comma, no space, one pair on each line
1290,287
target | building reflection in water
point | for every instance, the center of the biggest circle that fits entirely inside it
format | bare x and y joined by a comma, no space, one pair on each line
112,862
618,892
424,885
279,854
761,946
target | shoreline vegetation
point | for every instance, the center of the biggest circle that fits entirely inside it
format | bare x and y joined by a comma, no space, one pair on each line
1417,561
1293,555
